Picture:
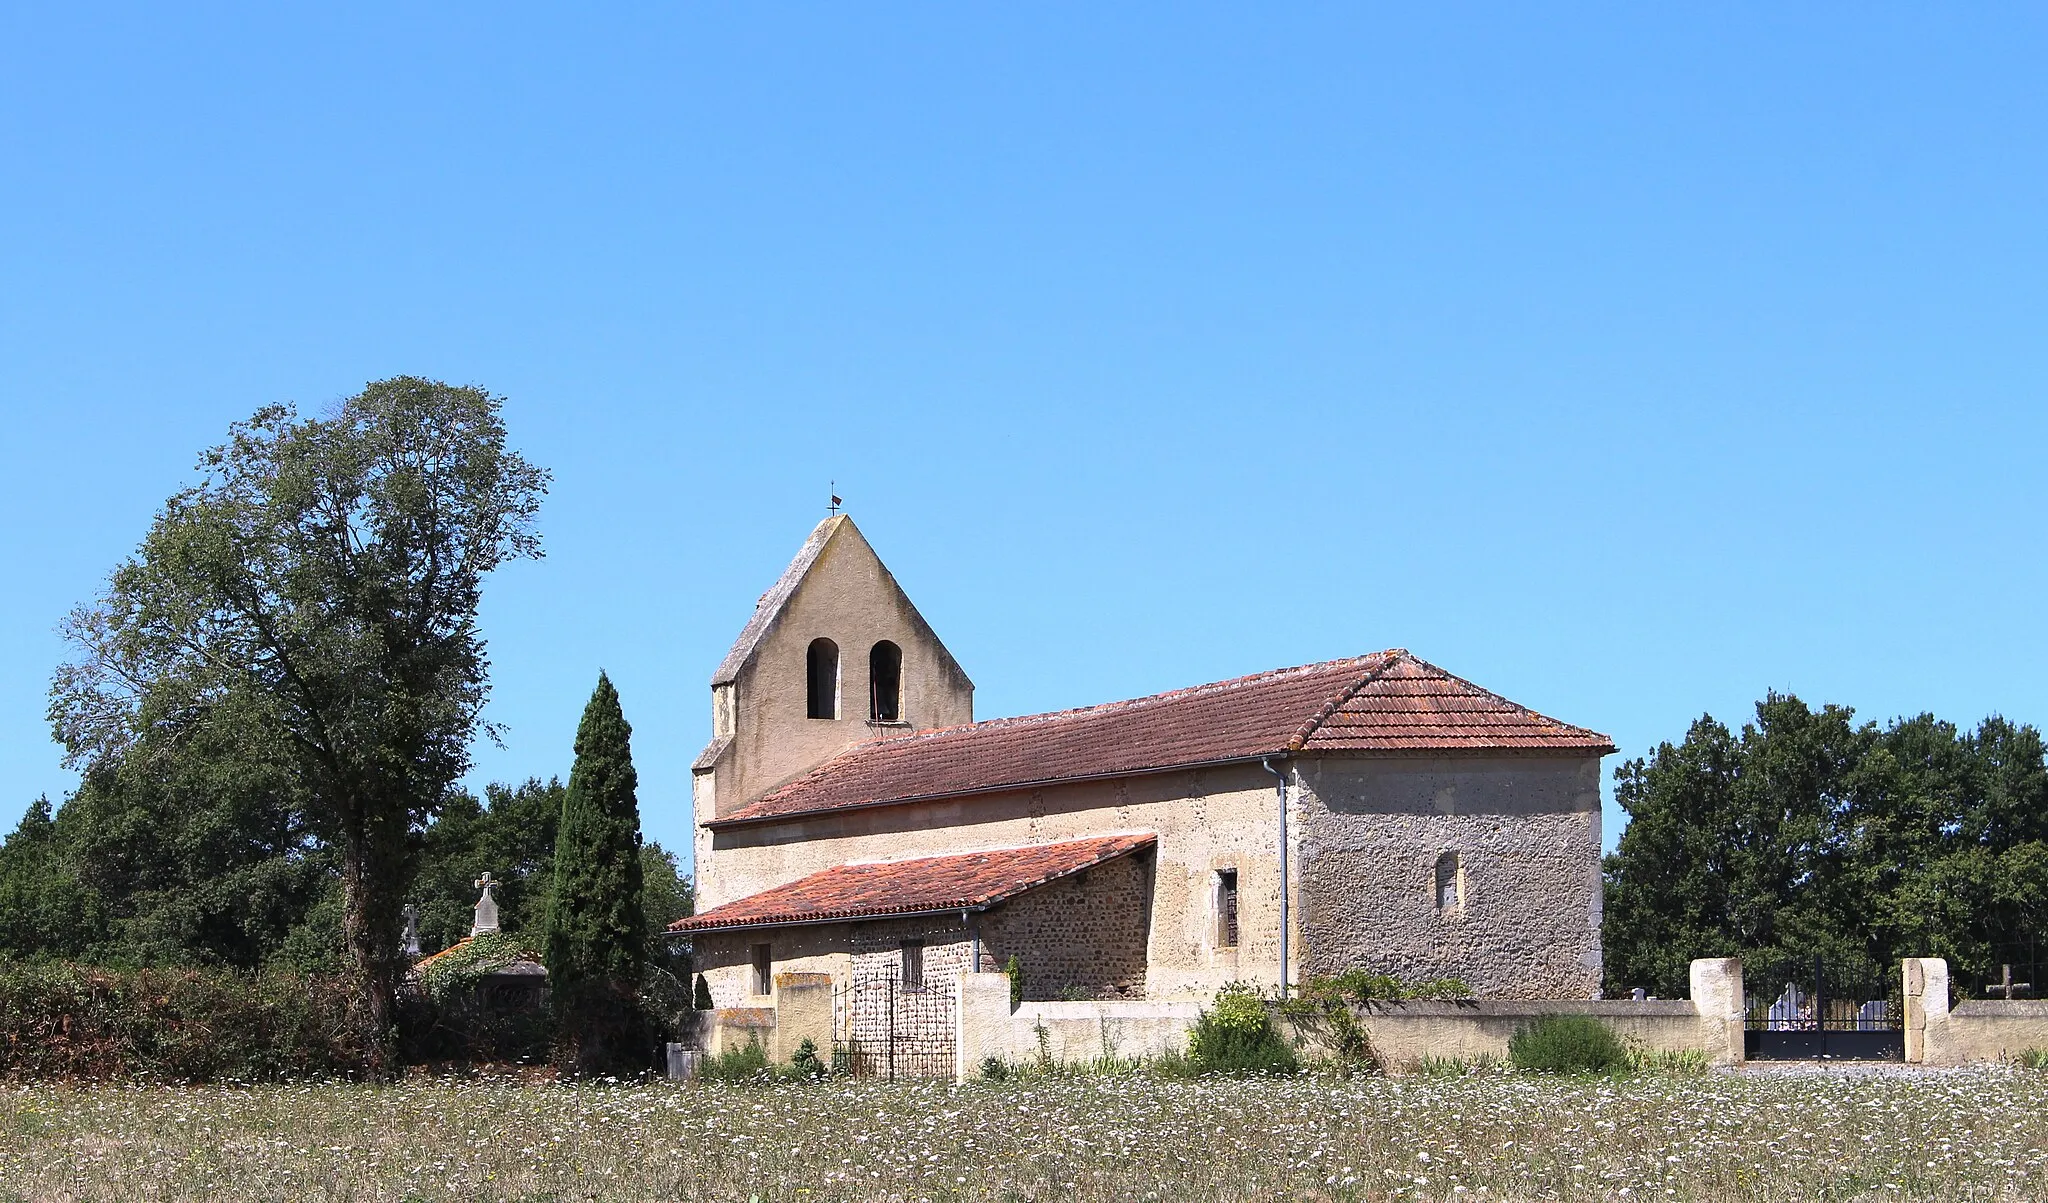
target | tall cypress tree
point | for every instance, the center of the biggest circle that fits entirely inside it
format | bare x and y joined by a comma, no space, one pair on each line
596,931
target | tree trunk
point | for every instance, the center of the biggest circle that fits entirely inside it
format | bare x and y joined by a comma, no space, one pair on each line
372,878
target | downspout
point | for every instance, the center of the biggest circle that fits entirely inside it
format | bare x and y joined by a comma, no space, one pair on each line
1280,787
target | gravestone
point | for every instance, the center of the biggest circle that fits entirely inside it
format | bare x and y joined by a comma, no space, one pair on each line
486,923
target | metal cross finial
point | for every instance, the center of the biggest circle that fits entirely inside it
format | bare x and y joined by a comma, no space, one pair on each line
832,489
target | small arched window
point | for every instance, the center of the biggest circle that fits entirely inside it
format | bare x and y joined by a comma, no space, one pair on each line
822,679
885,683
1450,884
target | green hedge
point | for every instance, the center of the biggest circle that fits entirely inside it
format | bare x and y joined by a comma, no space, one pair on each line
175,1025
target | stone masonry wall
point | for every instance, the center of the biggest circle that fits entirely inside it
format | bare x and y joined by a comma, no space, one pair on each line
846,951
1082,935
1526,834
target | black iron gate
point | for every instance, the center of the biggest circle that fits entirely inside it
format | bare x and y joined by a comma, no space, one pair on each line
1808,1010
885,1028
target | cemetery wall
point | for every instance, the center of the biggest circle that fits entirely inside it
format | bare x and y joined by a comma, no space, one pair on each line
1066,1032
1972,1032
1403,1034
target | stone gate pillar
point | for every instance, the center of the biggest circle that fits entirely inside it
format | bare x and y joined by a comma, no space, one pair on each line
1926,991
1717,996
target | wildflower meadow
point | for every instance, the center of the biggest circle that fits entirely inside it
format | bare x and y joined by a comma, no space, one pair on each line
1976,1134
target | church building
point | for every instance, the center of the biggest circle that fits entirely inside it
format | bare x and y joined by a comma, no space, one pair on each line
1375,811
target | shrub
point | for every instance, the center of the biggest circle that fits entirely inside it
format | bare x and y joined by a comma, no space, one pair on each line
743,1063
701,999
462,1026
993,1070
1236,1035
1016,971
177,1025
1565,1044
805,1061
2032,1058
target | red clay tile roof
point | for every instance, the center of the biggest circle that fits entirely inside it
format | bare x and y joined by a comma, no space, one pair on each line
967,881
1385,703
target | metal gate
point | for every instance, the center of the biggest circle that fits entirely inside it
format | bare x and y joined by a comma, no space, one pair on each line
1807,1010
885,1028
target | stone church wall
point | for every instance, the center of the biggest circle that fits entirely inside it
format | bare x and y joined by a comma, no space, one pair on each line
1366,833
1525,834
1204,820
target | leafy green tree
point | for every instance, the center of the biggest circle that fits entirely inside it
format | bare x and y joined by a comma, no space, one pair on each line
597,922
512,837
45,911
1808,835
666,895
195,863
311,606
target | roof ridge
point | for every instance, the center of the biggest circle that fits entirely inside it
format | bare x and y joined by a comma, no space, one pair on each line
1388,659
1123,703
1018,720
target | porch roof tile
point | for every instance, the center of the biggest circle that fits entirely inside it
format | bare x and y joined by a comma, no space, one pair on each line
875,889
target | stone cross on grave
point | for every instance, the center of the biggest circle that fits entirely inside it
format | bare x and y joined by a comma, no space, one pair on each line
2005,985
486,909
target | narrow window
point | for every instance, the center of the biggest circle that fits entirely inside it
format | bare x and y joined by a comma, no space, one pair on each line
1450,888
1226,908
885,683
913,964
763,969
823,676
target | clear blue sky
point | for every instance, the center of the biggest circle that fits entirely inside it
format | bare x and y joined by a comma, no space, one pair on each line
1629,362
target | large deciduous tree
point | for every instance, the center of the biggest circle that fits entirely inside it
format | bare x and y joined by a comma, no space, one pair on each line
309,610
597,924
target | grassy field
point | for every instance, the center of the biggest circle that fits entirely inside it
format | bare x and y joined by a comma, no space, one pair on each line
1966,1135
